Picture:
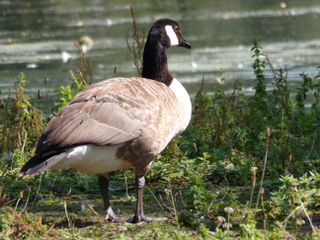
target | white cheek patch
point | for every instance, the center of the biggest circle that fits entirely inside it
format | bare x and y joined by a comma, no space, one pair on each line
174,41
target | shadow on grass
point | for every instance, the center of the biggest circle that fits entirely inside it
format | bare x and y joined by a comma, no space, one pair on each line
79,212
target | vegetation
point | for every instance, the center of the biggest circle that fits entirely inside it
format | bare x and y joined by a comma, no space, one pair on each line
246,168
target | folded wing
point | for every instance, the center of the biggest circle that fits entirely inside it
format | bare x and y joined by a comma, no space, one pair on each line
107,113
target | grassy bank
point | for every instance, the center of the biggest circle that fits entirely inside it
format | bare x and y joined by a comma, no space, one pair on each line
246,168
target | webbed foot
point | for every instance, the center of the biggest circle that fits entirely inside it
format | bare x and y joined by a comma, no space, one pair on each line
112,217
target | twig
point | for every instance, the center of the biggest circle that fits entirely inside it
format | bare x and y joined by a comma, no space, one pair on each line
126,184
38,190
284,222
310,150
264,168
90,71
184,204
66,212
27,201
305,211
175,212
24,141
137,43
96,214
155,198
274,73
18,201
253,171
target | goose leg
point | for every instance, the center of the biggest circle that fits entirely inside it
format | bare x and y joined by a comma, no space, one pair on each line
104,188
139,214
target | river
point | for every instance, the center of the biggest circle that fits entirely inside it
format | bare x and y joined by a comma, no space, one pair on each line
34,35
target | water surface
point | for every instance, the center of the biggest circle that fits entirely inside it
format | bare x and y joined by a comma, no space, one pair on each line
33,35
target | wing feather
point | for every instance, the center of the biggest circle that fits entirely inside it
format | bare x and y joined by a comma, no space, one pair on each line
110,112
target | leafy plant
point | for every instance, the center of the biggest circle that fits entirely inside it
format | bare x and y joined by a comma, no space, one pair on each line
21,126
79,80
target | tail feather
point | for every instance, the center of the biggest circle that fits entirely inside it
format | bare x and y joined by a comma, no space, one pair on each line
38,164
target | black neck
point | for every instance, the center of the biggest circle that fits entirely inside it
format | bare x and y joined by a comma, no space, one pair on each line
155,64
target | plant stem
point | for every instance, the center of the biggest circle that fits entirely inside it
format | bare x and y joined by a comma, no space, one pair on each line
264,169
173,205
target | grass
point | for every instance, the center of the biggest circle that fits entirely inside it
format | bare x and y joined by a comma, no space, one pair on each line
246,168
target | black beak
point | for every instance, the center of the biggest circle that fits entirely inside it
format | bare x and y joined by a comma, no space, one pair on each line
184,43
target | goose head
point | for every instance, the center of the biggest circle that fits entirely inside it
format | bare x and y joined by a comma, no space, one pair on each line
164,33
168,33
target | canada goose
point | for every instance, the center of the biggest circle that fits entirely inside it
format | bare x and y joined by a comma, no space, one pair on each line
121,122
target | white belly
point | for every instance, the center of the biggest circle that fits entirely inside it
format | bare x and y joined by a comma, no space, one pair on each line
184,99
93,159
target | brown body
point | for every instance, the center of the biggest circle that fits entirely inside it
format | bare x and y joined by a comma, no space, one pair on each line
141,118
